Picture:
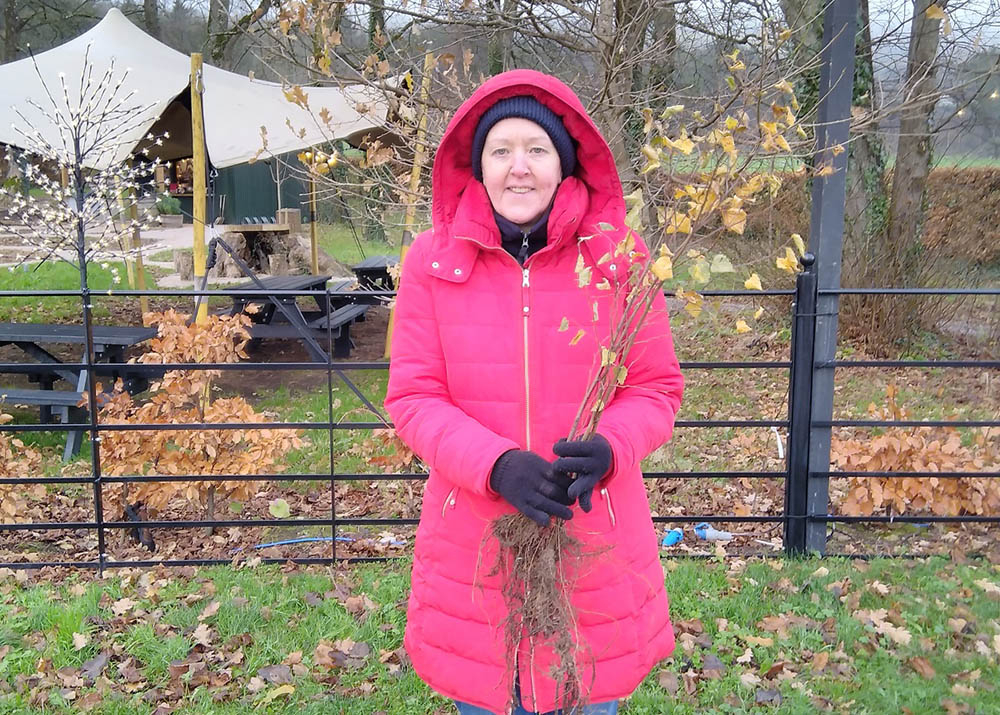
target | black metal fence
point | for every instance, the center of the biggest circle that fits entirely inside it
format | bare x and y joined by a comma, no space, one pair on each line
804,518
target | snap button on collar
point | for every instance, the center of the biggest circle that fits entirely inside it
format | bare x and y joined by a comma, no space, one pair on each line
435,264
458,271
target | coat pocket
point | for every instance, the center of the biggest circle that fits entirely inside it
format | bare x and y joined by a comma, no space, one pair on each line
449,502
606,494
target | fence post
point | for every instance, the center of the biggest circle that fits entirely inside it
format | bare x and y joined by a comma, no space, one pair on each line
826,239
800,385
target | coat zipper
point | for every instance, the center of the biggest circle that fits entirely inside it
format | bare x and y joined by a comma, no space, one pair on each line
526,311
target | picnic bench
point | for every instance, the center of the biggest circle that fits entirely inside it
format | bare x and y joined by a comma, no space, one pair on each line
373,272
110,344
280,317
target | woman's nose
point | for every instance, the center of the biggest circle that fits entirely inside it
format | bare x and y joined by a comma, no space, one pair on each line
519,165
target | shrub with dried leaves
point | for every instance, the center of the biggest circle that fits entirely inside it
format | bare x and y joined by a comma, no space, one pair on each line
17,461
184,396
918,449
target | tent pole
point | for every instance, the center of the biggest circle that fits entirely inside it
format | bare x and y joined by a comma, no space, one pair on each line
418,162
198,181
140,269
314,247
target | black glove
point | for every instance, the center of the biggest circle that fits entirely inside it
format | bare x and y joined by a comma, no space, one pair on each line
589,459
527,481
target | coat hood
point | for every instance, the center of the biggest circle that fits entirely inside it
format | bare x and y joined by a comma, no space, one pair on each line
460,203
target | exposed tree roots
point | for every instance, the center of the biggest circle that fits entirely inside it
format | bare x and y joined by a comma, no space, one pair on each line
535,565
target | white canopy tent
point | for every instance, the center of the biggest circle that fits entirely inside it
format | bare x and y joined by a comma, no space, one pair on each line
235,107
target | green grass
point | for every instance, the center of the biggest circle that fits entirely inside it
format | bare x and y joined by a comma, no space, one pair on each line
339,241
57,275
267,615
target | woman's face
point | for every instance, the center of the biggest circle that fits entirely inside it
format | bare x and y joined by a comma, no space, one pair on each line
521,170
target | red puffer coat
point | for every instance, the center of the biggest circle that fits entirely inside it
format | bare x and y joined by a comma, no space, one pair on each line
480,366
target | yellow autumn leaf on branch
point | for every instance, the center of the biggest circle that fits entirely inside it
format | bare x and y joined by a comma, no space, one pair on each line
753,282
782,142
578,337
701,271
663,268
722,264
295,95
800,246
564,325
652,156
674,222
757,313
682,143
824,170
935,12
742,327
671,111
693,308
784,86
789,262
734,219
647,115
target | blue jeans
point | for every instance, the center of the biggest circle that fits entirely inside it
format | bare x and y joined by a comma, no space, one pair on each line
609,708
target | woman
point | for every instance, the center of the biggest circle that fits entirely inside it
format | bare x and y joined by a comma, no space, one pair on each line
485,379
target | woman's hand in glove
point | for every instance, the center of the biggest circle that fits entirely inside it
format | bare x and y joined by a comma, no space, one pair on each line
590,459
528,483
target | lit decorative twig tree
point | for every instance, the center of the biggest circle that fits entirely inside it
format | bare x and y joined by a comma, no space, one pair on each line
85,215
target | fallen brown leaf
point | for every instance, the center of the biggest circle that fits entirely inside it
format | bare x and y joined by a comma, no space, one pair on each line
923,667
92,668
820,660
712,667
668,681
767,697
275,674
210,610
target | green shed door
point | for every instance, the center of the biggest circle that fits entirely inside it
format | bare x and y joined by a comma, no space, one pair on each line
250,191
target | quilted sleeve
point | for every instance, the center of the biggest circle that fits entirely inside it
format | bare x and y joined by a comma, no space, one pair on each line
640,417
452,443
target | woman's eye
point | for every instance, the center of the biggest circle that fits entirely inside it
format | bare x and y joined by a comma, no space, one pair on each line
499,151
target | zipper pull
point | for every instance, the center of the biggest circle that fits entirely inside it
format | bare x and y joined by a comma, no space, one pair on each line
524,283
522,256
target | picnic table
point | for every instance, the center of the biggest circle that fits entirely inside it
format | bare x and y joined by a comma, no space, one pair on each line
110,344
373,272
280,317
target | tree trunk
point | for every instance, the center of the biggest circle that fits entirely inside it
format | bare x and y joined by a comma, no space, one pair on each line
664,44
151,15
218,23
913,152
620,31
867,193
11,25
805,17
498,50
866,258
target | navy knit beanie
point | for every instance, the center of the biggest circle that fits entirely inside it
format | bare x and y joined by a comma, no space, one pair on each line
525,108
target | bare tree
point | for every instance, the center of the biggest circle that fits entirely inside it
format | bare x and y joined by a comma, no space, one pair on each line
913,153
151,17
